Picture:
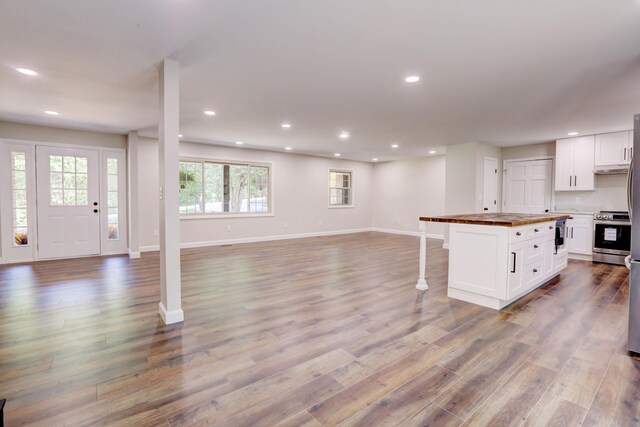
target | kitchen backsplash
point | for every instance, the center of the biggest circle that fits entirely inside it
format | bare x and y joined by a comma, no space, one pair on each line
610,194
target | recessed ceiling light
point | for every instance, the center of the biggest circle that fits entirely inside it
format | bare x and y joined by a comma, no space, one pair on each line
179,135
288,148
374,159
51,113
572,133
344,135
239,142
26,71
412,79
286,125
337,154
432,152
210,113
394,146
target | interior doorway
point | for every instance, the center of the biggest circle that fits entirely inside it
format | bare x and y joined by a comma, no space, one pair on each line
490,185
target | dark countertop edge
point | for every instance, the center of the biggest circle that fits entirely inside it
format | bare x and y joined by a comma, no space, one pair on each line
495,223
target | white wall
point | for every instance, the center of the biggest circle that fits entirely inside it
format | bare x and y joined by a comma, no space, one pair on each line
405,190
50,134
300,189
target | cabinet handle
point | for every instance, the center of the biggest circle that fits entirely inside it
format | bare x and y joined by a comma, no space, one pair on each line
518,233
551,227
572,232
536,230
535,246
575,180
513,270
535,270
624,156
569,180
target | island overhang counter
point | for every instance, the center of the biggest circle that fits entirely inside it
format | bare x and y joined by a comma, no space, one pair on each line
496,258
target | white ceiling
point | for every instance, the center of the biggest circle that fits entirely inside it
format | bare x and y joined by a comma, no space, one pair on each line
505,72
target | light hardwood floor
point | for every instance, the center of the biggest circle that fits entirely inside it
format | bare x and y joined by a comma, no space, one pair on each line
308,332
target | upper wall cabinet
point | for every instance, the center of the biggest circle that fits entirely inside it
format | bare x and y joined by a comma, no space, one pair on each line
613,149
574,164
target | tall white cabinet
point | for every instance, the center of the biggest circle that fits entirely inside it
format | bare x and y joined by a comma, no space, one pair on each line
574,164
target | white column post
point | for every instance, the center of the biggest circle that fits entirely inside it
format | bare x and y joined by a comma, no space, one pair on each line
170,292
132,194
422,282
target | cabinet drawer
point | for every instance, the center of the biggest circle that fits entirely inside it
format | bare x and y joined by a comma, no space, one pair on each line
534,250
533,274
521,234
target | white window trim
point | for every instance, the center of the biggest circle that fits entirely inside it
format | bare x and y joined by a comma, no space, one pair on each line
225,215
349,206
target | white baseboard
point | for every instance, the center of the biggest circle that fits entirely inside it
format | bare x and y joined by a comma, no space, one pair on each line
134,255
407,233
169,317
256,239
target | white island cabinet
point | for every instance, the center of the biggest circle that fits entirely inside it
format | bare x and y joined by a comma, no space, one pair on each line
495,263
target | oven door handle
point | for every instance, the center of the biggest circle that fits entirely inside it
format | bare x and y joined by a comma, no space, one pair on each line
621,223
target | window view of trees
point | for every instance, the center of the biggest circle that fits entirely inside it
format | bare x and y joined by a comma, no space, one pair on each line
212,188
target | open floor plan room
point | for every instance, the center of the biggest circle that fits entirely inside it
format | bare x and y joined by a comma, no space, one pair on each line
318,331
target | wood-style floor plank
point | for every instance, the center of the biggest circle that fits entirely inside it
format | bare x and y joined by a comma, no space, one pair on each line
310,332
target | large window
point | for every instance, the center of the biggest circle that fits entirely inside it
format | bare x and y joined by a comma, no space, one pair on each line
340,188
209,187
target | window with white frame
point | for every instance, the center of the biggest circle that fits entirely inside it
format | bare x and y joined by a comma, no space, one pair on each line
19,196
113,226
340,188
210,187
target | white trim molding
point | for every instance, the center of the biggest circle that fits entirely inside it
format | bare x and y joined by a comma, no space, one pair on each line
202,244
169,317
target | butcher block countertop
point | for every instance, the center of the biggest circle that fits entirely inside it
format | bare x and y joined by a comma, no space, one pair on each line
496,219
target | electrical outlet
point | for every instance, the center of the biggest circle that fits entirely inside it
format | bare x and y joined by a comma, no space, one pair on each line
578,200
319,223
156,233
228,228
285,225
393,221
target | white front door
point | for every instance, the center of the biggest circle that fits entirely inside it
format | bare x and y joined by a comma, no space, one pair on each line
68,194
490,185
528,186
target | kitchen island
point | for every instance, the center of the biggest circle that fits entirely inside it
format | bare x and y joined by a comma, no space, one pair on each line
497,258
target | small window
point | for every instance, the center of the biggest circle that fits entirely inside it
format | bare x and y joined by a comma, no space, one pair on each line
112,200
19,196
212,188
68,181
340,188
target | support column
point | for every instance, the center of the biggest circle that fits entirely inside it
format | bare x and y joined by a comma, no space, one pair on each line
422,282
170,291
132,194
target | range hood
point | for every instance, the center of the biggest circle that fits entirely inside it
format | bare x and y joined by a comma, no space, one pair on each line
611,170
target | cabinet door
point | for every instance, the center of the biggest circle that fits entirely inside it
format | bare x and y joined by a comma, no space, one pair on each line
549,249
515,283
580,235
564,164
583,157
612,149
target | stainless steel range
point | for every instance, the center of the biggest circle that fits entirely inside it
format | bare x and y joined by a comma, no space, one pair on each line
611,237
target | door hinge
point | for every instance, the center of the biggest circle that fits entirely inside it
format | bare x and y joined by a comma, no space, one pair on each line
496,170
495,202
